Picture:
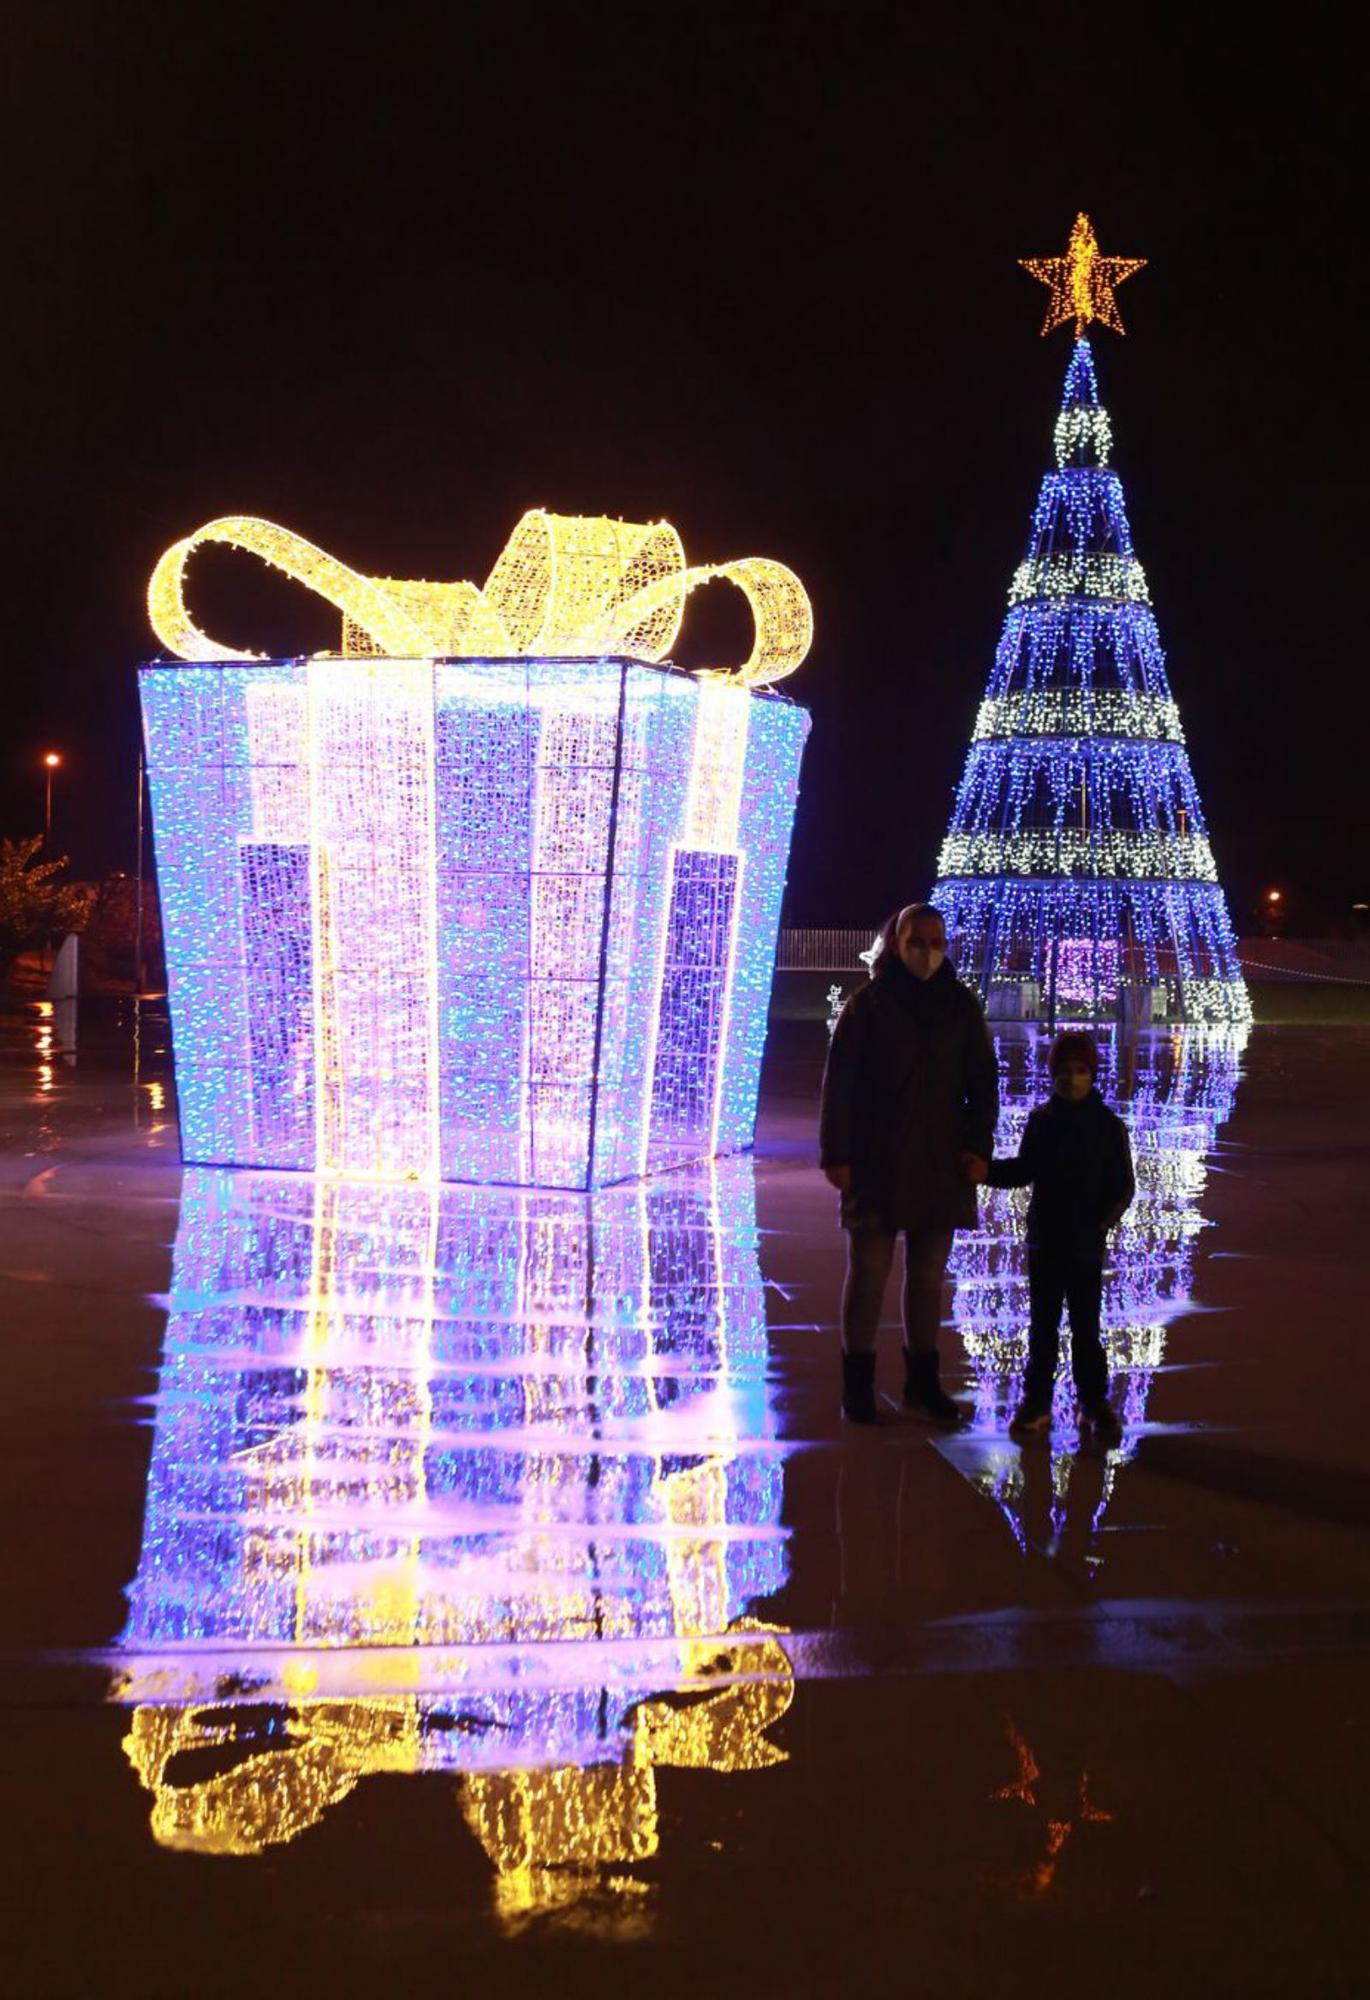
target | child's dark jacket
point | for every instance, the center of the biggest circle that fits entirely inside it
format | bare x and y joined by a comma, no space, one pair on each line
1079,1164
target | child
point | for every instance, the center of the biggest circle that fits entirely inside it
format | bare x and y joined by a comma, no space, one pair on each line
1076,1156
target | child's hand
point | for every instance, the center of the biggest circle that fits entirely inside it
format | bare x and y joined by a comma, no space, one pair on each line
838,1177
976,1167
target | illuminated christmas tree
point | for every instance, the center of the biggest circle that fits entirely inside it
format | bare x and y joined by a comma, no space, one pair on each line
1077,876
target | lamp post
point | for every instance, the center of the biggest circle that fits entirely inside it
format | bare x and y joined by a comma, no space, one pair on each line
51,762
138,899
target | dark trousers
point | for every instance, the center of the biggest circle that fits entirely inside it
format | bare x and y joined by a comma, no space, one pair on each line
1069,1275
870,1253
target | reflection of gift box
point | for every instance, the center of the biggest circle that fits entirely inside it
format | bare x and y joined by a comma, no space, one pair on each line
549,1499
507,921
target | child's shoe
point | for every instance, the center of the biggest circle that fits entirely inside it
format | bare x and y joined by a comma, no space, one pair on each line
1030,1419
1104,1423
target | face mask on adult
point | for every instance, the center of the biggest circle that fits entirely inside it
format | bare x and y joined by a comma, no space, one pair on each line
922,960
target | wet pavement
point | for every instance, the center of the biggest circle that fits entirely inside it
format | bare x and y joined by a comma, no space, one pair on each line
457,1584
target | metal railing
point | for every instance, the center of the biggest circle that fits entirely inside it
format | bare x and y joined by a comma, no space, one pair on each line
823,951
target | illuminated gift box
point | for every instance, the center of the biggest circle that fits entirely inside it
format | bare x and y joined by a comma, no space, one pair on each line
503,920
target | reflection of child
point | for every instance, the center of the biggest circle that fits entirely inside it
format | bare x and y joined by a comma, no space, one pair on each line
1076,1157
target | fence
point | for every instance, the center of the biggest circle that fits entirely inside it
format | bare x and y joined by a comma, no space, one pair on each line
1337,961
823,951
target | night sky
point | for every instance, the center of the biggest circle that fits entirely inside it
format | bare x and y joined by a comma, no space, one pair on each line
392,277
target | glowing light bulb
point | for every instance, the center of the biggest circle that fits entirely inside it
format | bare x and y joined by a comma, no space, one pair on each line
1077,869
498,920
1082,282
566,584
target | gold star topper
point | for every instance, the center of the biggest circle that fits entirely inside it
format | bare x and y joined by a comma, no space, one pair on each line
1082,281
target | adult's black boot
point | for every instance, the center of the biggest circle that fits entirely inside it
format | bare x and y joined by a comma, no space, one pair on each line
858,1389
924,1394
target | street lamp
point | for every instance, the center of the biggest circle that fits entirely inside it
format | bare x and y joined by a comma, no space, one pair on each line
51,762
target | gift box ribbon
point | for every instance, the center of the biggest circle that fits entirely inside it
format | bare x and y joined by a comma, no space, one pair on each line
565,584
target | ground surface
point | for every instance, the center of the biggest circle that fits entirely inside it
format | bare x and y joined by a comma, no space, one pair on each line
384,1582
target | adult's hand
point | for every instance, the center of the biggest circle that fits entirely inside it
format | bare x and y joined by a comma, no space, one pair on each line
975,1166
838,1177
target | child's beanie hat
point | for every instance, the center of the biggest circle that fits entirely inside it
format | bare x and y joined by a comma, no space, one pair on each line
1074,1046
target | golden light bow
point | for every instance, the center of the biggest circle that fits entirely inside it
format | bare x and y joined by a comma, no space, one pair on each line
565,584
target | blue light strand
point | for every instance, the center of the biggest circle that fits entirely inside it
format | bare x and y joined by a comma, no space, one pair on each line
534,1330
419,915
1077,824
1175,1093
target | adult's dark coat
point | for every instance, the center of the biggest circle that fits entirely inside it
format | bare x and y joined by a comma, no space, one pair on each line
911,1084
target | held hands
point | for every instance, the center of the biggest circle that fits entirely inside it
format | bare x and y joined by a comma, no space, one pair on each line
975,1167
838,1177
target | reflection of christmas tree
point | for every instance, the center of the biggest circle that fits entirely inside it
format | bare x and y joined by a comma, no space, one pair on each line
1174,1092
1077,861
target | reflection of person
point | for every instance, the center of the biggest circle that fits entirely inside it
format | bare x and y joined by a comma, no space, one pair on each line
1076,1158
910,1098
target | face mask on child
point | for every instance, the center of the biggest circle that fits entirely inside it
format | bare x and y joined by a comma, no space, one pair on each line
922,964
1073,1081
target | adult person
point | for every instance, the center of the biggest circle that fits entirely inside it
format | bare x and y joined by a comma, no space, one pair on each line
910,1102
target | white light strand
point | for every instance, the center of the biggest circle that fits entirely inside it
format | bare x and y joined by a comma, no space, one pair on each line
1083,429
1174,1093
1076,851
1077,874
395,1423
506,921
1120,578
1079,711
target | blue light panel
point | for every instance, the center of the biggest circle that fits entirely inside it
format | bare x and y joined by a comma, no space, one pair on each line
495,921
